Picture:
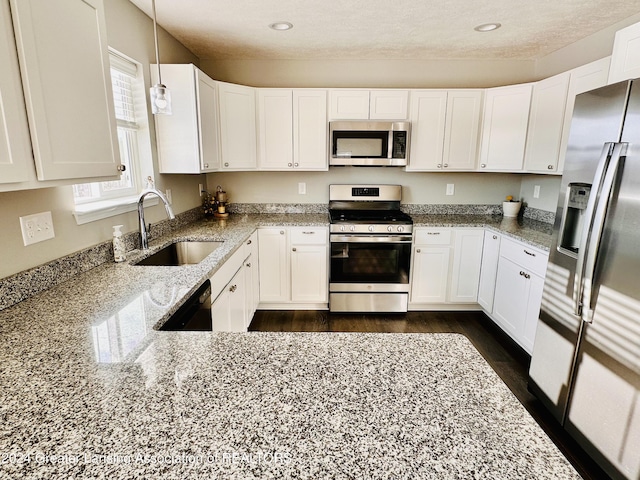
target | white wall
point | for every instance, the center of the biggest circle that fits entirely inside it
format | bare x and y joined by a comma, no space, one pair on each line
371,73
586,50
131,32
427,188
549,189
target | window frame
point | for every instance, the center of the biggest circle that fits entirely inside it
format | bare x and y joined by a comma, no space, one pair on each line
107,205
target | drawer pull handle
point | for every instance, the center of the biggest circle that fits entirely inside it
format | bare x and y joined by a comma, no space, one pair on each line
529,253
308,233
433,233
249,264
233,288
249,242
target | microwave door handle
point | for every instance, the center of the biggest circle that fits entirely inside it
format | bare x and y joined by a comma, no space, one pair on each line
585,237
599,220
390,144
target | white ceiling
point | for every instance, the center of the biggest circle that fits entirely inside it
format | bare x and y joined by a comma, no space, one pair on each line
383,29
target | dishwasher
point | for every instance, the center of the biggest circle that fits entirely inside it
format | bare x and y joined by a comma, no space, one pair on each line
194,314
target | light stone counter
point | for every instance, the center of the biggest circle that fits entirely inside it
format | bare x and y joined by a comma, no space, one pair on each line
84,373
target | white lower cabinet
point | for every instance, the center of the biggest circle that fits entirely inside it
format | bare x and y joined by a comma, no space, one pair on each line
228,310
490,257
518,290
445,266
293,267
234,291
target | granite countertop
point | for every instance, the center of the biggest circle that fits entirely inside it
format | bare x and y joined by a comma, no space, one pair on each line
84,370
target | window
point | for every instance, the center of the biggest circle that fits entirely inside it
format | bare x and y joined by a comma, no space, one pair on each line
102,199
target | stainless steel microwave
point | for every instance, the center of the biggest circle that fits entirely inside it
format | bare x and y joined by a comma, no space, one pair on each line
369,143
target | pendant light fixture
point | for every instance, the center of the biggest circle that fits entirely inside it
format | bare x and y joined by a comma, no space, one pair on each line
159,93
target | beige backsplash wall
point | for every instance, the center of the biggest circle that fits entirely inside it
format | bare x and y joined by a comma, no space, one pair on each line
429,188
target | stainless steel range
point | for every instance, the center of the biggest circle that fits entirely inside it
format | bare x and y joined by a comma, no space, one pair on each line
370,242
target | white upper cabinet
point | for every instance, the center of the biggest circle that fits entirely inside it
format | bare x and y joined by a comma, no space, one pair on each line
504,127
292,129
275,123
582,79
368,104
444,129
188,139
546,121
237,126
63,54
15,149
462,129
625,59
388,104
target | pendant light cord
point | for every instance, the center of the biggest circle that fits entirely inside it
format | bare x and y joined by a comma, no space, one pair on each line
155,36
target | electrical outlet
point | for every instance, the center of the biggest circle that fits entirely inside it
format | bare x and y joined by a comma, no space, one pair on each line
450,188
200,189
302,188
168,195
536,191
36,228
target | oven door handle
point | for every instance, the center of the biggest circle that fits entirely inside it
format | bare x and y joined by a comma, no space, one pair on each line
370,239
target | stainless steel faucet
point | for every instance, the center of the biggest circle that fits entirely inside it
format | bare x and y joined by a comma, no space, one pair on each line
144,235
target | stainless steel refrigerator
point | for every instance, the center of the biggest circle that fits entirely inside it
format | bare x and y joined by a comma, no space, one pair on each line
585,365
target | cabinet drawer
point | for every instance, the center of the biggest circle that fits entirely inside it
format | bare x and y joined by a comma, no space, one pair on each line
308,236
526,256
432,236
226,272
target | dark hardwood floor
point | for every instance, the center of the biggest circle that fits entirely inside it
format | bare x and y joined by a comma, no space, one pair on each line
508,360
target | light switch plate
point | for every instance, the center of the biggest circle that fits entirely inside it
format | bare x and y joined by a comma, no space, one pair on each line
302,188
36,228
450,188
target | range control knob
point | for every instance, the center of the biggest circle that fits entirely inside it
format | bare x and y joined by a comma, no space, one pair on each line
389,228
342,228
401,229
371,228
352,228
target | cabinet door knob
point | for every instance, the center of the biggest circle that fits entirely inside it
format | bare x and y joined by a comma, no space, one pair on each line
526,275
445,165
495,237
233,288
296,165
550,167
483,165
281,232
439,165
206,165
417,250
289,164
226,164
249,264
121,168
294,249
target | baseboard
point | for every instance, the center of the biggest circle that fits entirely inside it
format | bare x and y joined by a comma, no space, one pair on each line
447,307
293,306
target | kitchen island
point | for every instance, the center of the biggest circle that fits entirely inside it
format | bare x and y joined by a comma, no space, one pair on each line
91,388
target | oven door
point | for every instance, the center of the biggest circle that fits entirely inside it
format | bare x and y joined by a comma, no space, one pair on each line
370,263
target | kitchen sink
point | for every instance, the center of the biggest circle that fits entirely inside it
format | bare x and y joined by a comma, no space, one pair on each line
180,253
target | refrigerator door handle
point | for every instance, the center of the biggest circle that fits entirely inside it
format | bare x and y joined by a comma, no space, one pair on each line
585,237
619,151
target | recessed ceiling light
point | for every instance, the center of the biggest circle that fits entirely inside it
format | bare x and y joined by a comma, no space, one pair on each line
281,26
487,27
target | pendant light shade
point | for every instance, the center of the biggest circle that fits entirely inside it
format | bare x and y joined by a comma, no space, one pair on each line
159,93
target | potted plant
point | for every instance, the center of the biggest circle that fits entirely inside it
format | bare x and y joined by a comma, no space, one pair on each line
511,207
